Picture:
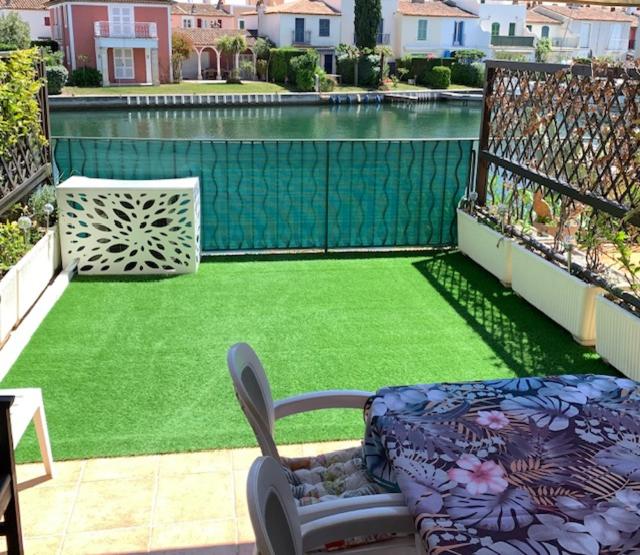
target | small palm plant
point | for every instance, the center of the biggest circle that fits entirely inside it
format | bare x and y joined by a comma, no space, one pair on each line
232,45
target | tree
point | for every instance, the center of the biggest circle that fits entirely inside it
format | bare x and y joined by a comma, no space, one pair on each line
385,53
543,49
368,14
233,45
15,34
181,49
262,48
351,53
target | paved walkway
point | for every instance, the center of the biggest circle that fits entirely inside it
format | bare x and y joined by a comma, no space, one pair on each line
191,503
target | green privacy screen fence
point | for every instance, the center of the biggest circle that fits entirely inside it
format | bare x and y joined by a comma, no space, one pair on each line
283,194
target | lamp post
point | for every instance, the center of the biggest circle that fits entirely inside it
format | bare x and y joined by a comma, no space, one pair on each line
24,223
48,210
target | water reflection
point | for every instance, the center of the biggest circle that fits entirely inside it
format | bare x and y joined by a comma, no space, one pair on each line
434,119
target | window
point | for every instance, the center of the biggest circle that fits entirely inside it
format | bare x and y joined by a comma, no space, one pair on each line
47,21
121,21
199,23
187,23
123,63
616,41
585,35
512,29
544,33
240,23
495,29
529,27
324,29
458,33
422,29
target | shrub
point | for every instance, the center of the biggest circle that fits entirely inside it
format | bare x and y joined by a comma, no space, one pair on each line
510,56
327,84
418,67
85,77
56,79
12,245
304,68
246,69
261,69
46,44
468,56
543,49
438,78
181,49
14,31
280,68
44,195
471,75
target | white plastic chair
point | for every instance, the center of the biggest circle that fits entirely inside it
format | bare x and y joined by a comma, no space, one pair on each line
280,530
254,395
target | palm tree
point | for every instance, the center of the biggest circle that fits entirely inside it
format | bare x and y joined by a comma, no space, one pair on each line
233,45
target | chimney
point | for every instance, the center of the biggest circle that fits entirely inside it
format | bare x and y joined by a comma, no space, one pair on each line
417,1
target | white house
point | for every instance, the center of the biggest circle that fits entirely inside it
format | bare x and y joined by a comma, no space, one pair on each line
304,23
600,31
386,30
564,43
431,27
505,22
33,12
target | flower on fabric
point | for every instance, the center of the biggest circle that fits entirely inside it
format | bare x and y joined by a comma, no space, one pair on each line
494,419
479,477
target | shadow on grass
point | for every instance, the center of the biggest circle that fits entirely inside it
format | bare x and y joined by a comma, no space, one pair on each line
524,338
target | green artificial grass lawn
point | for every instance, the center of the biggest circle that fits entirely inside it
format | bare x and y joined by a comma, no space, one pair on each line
132,366
191,87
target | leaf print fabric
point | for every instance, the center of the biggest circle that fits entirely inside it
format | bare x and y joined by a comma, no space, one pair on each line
521,466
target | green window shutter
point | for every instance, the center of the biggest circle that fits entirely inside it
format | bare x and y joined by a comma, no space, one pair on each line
422,29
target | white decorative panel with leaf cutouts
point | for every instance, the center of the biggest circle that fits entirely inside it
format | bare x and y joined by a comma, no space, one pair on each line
130,227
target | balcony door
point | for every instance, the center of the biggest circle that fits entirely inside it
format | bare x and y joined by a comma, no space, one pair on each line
299,32
121,20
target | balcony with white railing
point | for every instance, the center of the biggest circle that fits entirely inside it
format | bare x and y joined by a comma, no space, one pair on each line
300,37
565,42
137,30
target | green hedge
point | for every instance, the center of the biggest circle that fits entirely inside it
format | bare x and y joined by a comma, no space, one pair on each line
471,75
438,77
46,43
280,69
368,70
419,66
56,79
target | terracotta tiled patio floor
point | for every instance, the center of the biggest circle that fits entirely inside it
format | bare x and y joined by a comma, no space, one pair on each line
191,503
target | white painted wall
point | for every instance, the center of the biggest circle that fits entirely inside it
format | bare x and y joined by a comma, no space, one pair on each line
439,36
604,38
280,28
35,20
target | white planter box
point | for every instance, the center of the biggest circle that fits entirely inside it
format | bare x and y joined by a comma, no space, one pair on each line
25,282
618,337
566,299
485,246
122,227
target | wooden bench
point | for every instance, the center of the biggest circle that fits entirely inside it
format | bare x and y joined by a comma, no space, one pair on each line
28,406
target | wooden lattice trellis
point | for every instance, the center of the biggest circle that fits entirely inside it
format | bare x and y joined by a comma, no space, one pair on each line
574,131
28,163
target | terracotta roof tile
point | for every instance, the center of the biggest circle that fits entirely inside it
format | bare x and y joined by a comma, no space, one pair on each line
23,5
590,13
432,8
183,8
538,18
303,7
209,37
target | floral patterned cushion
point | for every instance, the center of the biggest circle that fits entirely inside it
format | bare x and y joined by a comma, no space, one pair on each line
335,475
339,474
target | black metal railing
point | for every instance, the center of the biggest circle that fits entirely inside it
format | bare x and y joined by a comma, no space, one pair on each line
506,41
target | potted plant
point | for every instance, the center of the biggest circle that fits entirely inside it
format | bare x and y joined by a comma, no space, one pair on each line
548,282
487,246
617,321
29,257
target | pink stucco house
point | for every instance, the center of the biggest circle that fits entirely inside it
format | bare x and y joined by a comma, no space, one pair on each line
128,41
201,16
